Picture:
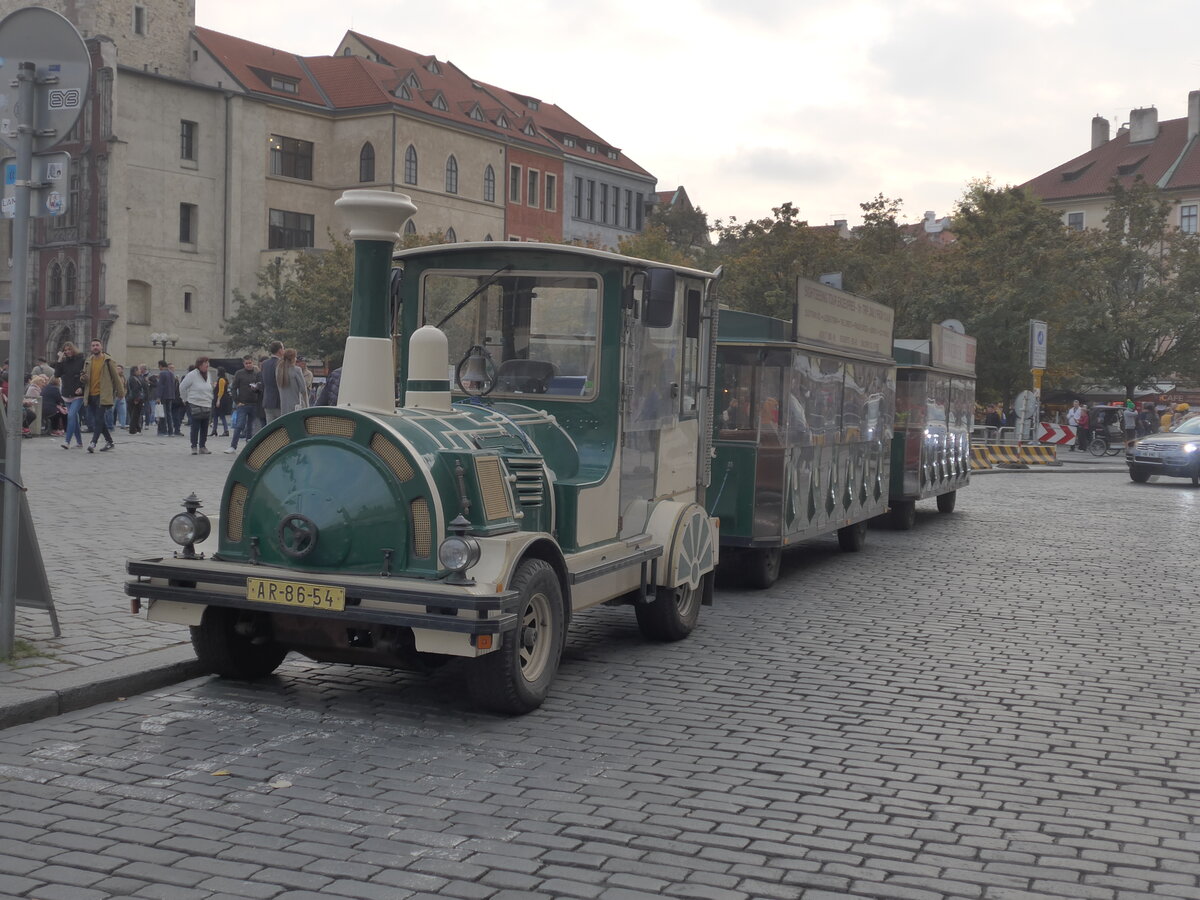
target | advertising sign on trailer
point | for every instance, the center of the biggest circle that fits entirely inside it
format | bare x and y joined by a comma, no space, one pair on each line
953,351
842,321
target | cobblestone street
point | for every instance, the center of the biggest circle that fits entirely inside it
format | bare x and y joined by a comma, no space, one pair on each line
999,704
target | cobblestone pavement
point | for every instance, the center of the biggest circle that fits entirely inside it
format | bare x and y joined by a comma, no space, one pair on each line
998,704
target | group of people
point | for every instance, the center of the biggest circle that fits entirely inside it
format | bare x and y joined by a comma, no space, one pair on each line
1133,421
92,390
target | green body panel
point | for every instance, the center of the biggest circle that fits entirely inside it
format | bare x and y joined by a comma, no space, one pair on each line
369,310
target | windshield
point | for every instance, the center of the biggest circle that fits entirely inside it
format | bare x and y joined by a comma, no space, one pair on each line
539,329
1189,426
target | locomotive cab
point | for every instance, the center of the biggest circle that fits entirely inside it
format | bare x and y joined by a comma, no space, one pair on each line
548,452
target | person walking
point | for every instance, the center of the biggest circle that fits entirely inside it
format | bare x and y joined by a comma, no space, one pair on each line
293,392
246,389
135,398
222,405
1129,419
270,396
196,390
1084,435
103,385
166,393
1073,422
328,395
68,368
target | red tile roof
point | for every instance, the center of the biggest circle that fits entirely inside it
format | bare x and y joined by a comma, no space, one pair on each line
1091,174
248,62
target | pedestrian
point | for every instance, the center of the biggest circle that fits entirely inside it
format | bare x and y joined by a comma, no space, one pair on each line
116,416
1129,419
328,395
1164,420
222,404
54,409
196,390
1084,434
178,407
135,396
1073,421
270,396
102,386
68,368
246,389
166,393
308,375
43,368
1147,420
31,414
293,392
992,418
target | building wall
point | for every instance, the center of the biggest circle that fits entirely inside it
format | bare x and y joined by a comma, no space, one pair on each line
598,228
542,221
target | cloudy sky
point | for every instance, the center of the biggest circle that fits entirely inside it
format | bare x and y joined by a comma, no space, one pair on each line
823,103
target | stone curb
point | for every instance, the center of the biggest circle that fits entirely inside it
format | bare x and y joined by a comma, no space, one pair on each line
87,686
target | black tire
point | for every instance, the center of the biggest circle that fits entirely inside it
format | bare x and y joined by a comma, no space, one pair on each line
234,643
1139,474
516,678
1097,446
946,501
852,538
760,567
673,613
903,515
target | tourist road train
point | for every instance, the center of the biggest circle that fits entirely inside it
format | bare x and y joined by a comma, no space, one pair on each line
569,431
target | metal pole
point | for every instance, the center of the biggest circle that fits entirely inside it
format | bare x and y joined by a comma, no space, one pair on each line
26,77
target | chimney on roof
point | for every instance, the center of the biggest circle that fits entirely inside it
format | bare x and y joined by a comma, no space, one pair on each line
1099,131
1193,114
1143,124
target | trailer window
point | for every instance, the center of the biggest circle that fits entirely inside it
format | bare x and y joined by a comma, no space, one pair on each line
540,330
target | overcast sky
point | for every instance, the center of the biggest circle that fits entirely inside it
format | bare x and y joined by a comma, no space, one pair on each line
824,103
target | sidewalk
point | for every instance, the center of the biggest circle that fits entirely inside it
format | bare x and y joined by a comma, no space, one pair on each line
92,511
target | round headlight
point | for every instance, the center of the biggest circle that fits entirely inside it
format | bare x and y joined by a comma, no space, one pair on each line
1190,447
182,529
458,553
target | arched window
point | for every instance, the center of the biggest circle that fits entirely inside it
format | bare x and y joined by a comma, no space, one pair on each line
489,184
451,237
410,227
54,285
366,162
69,284
451,175
410,165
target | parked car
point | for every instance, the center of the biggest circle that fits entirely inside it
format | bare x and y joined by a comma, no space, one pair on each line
1175,453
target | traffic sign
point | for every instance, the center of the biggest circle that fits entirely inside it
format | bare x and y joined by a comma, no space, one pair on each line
1049,433
1037,344
63,68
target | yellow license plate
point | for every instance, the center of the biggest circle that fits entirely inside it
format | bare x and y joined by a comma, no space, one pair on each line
295,593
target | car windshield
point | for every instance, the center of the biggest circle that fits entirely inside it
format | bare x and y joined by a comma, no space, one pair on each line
1190,426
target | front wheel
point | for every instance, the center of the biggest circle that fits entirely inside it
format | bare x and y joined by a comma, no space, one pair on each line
1139,474
946,501
1097,446
516,678
761,567
673,613
233,643
903,515
852,538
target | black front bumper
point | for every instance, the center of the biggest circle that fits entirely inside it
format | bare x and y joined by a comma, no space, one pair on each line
212,583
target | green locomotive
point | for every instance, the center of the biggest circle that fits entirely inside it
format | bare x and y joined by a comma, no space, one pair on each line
549,452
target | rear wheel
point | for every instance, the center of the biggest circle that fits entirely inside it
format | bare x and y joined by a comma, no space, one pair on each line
237,644
760,568
673,613
903,515
516,678
946,501
1098,446
1139,474
852,538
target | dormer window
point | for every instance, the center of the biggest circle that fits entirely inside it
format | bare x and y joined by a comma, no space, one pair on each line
1130,167
402,92
613,154
501,121
412,81
439,102
529,129
476,113
532,104
433,68
1078,173
568,142
285,84
590,148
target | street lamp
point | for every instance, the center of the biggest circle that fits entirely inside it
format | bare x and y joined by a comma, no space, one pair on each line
161,339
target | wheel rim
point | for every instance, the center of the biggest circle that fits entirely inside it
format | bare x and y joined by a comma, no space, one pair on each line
694,550
533,637
686,599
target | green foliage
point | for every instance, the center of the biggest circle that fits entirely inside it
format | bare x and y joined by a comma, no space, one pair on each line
655,244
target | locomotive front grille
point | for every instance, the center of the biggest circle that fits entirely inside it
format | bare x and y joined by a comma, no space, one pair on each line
422,528
271,444
491,486
335,425
237,511
390,454
527,470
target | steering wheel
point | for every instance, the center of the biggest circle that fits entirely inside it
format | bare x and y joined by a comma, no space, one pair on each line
475,373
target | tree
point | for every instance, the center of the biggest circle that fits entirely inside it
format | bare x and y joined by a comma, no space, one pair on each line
764,258
1138,320
655,243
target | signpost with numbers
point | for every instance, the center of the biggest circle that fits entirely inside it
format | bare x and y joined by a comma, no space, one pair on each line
44,75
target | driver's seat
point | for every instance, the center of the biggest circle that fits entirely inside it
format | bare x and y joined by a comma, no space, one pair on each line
525,376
